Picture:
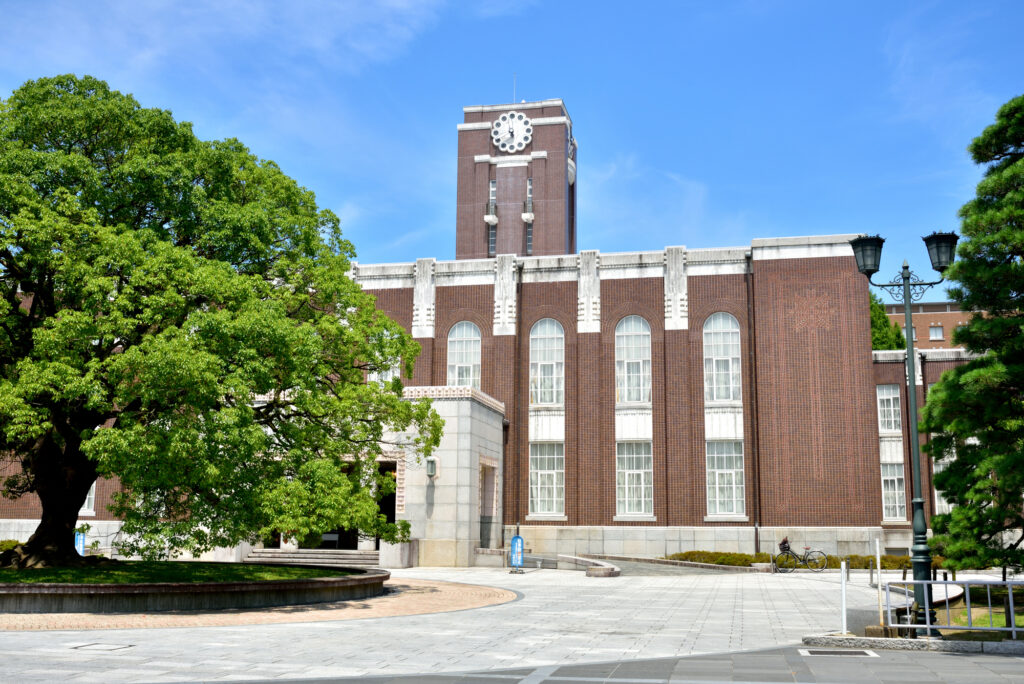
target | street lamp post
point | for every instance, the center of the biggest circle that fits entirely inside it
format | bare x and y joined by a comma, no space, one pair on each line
908,287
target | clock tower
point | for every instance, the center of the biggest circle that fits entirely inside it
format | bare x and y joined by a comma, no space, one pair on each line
516,181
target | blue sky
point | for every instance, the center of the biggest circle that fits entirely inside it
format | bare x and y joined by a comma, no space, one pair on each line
703,124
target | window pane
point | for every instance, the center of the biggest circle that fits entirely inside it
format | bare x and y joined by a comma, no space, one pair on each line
725,478
721,358
464,355
632,360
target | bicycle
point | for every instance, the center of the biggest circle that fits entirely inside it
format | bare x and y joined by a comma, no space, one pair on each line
788,560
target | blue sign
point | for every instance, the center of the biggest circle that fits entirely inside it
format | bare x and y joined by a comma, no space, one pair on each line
80,543
516,557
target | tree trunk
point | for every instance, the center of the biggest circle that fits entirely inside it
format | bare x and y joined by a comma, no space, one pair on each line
61,478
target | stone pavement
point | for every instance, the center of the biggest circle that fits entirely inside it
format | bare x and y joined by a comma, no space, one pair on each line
562,619
773,665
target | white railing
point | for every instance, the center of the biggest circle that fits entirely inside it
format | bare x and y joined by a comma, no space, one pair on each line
899,594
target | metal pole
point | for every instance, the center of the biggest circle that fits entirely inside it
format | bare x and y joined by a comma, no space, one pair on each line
878,564
842,573
920,554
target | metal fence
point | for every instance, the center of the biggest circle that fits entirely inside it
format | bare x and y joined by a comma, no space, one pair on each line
899,597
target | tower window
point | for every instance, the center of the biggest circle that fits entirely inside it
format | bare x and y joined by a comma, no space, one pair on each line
492,195
529,239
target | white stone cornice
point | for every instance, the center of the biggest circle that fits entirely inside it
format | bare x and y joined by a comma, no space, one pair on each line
510,159
443,392
815,246
550,120
623,265
537,104
475,126
718,261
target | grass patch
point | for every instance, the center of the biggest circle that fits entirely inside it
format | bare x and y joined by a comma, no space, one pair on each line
130,572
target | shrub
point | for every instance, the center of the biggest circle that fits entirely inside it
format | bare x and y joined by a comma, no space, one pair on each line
854,561
8,544
721,558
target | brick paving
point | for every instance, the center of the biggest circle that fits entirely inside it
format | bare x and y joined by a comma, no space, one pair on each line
402,597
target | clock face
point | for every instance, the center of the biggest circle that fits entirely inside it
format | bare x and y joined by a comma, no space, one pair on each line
512,132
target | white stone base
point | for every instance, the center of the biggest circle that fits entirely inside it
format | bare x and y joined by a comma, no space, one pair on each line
657,542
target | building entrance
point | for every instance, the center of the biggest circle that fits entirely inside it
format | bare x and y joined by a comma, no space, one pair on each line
342,538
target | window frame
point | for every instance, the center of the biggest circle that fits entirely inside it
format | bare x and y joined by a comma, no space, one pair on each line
551,479
629,479
719,366
719,479
633,375
889,408
539,341
474,365
894,501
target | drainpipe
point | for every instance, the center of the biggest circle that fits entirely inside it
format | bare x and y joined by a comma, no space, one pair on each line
516,385
755,461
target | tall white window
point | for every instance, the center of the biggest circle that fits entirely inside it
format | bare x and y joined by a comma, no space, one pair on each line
89,507
934,332
547,478
913,330
464,355
721,358
725,478
547,362
492,191
529,188
894,496
632,360
888,408
634,479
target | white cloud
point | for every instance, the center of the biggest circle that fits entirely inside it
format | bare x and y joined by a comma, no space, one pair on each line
128,40
934,78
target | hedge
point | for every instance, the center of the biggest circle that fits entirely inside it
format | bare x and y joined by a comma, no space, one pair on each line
855,562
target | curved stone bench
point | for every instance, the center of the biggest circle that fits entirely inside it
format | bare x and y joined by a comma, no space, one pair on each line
595,568
130,598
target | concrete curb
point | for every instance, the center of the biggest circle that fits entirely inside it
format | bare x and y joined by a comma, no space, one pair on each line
833,641
595,568
160,596
683,564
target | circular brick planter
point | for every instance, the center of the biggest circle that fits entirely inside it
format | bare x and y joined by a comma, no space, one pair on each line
133,598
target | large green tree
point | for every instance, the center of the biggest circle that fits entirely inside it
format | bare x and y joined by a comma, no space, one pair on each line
176,313
885,334
976,411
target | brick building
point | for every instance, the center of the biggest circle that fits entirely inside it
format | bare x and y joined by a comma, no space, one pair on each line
643,402
933,322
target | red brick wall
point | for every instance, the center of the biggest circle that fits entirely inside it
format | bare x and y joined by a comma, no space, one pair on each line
818,431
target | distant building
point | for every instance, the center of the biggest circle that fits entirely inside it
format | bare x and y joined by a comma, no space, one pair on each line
933,322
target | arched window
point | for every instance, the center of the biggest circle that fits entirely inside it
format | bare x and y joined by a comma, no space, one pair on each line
547,362
632,360
464,355
721,358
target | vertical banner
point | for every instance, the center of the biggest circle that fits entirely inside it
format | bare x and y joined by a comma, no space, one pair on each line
80,543
515,558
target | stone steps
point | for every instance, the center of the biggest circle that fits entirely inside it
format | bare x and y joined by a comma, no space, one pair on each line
324,557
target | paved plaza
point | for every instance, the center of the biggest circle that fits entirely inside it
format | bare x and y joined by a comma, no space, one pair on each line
605,628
